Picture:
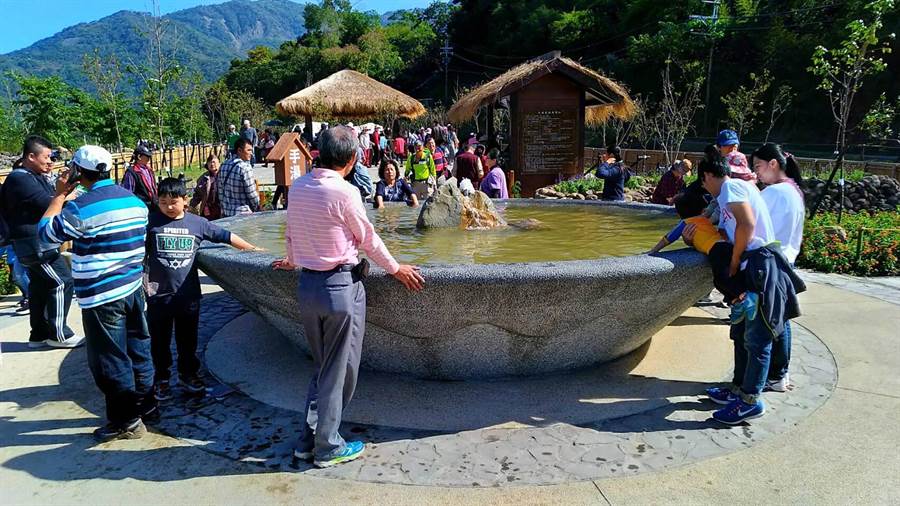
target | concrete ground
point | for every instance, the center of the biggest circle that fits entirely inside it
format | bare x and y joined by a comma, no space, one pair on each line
845,452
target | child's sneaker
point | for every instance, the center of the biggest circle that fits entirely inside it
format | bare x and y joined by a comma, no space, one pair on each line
162,391
745,309
194,384
351,451
739,411
721,395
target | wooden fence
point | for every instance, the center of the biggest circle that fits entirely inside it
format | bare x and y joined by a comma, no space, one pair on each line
819,167
173,158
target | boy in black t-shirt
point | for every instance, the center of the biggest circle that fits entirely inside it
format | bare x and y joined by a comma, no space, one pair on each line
173,287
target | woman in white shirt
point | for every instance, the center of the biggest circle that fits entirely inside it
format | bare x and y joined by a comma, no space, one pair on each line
784,199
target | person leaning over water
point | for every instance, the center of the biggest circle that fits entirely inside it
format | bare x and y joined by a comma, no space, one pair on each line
326,226
758,315
784,199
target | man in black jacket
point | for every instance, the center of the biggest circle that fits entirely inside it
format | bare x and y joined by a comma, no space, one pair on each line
25,196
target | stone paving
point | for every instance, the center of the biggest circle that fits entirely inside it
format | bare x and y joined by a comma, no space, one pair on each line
246,430
884,288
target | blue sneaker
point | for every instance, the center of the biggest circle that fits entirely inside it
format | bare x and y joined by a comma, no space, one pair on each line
739,411
721,395
351,451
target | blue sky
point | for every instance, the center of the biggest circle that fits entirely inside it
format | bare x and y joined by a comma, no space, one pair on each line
28,22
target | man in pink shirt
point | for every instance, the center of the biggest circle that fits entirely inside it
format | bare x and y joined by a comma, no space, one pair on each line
326,227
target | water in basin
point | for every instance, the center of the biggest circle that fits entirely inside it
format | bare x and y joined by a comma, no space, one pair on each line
568,232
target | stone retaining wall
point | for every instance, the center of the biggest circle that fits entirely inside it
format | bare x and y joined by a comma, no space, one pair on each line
872,193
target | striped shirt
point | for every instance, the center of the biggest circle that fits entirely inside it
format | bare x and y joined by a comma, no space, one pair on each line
327,224
107,226
237,189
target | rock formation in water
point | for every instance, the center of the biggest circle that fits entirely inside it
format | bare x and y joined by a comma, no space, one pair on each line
527,224
448,207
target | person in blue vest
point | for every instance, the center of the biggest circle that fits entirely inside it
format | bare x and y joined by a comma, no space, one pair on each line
614,174
107,225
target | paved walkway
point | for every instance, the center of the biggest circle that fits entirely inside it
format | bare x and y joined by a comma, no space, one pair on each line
844,452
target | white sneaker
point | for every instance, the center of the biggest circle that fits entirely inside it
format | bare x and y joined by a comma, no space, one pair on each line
780,385
72,342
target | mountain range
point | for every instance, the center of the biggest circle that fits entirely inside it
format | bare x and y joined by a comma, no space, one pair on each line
207,38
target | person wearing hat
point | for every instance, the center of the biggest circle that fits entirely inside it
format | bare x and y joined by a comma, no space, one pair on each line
25,196
108,269
421,171
139,178
232,137
671,183
729,144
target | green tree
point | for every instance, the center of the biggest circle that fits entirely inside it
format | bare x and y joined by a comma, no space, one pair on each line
843,71
48,108
744,105
106,75
880,121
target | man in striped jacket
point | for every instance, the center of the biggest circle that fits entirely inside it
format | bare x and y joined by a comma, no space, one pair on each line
107,226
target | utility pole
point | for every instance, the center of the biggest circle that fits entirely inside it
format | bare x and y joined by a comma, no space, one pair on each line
710,22
446,53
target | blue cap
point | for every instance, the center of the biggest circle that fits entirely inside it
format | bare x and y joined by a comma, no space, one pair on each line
727,138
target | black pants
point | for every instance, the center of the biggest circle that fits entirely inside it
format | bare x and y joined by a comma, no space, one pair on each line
51,289
720,260
184,315
280,192
118,351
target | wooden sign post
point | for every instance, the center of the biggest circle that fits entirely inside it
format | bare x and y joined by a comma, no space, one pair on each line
292,158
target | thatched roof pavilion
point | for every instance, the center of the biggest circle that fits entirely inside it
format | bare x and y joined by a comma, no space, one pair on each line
604,98
349,95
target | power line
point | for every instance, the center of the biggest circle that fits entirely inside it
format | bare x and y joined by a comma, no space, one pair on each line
473,62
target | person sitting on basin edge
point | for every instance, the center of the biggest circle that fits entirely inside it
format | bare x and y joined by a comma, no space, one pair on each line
706,238
391,187
326,225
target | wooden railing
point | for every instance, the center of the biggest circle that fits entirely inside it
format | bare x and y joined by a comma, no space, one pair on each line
164,160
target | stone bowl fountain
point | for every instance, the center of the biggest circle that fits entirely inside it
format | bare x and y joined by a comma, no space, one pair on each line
490,319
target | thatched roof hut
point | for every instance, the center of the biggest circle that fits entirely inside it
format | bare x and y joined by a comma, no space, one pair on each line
604,97
349,95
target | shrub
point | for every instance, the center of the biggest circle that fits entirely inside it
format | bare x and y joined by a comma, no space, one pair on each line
6,283
828,247
579,186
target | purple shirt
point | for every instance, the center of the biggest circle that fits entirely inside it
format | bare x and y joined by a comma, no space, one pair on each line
494,184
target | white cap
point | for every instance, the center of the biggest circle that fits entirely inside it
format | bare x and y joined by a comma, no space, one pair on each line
93,158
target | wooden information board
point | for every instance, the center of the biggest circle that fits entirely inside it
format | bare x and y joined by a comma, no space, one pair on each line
549,139
291,158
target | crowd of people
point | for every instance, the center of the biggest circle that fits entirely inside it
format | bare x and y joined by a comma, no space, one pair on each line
752,238
132,271
134,245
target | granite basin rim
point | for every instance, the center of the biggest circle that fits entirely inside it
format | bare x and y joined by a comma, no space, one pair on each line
543,317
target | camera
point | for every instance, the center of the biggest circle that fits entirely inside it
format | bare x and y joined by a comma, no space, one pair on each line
74,173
